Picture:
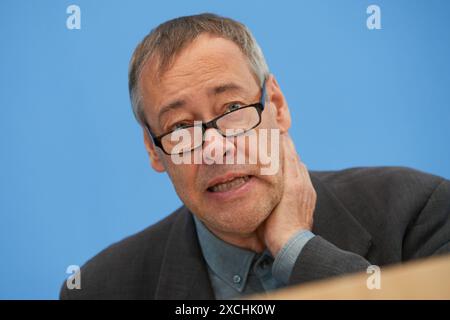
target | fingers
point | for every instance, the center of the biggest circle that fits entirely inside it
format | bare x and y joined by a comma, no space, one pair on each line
294,167
291,158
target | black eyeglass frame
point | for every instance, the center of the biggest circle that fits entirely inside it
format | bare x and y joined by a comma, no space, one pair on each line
259,106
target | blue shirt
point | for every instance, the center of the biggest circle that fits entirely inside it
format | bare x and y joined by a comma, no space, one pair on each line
236,272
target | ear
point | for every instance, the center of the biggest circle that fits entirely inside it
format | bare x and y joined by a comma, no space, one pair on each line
153,154
276,97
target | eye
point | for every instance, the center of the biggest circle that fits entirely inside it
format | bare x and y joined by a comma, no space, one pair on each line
179,125
233,107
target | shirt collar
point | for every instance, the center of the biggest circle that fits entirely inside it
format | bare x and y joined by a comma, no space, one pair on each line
230,263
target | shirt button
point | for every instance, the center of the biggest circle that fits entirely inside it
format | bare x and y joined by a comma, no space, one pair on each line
236,279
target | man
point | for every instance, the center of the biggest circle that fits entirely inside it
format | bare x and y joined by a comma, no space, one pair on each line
241,231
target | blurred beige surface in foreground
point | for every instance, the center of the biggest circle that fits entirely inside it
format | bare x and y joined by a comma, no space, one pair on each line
421,279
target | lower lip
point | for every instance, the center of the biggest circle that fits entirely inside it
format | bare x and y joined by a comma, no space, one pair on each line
233,193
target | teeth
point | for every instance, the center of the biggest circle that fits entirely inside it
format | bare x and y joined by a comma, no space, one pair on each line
236,182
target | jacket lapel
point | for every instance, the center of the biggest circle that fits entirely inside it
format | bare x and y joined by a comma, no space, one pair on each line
333,222
183,271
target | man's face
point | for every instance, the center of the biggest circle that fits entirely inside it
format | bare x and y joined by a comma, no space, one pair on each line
205,78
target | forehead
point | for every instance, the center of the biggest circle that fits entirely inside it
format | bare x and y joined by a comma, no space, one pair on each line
208,61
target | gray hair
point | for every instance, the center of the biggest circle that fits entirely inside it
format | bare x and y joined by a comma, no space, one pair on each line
167,40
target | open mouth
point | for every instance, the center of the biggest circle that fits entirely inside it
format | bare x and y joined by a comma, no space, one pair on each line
228,185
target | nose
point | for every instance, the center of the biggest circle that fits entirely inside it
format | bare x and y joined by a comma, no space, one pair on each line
218,149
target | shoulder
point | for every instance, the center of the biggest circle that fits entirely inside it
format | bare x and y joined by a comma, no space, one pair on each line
358,173
118,272
378,180
381,196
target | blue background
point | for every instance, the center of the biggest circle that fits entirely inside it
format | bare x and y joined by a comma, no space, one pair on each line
74,174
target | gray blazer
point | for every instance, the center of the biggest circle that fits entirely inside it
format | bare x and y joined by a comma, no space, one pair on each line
363,216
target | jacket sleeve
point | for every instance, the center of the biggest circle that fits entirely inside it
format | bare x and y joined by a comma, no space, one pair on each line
321,259
429,233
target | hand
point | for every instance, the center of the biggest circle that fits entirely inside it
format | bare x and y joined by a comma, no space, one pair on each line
295,210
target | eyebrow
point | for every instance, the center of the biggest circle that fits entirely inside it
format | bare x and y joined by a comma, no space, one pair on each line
179,103
230,86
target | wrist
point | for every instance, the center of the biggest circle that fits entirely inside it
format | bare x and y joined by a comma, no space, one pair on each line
279,241
289,254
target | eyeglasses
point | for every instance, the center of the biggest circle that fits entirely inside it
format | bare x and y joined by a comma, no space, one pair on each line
232,123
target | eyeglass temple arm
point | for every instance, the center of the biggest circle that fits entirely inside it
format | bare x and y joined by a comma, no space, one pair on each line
154,138
263,94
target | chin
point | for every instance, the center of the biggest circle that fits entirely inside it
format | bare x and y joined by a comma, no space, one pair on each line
243,219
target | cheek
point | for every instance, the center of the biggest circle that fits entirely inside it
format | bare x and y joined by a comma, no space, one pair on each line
183,179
